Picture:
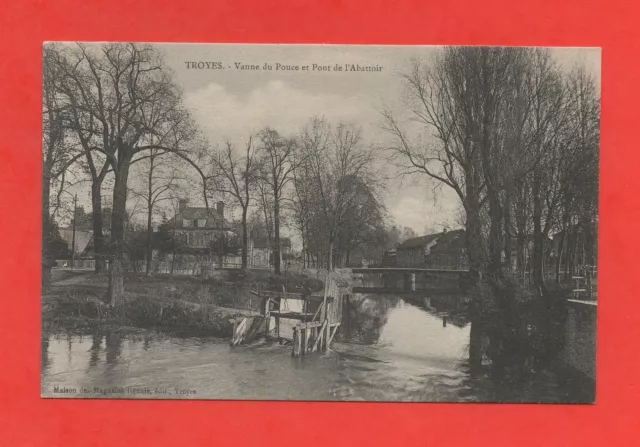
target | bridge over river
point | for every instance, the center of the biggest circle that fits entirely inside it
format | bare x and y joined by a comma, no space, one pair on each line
411,281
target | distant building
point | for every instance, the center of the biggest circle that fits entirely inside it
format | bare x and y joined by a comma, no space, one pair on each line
198,228
390,258
84,240
445,250
260,251
448,252
413,252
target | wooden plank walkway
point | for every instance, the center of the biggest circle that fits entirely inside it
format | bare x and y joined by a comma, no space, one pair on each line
291,315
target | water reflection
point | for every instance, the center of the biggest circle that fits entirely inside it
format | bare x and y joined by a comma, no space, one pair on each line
390,350
96,342
364,318
113,347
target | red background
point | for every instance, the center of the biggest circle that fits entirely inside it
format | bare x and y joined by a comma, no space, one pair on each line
27,420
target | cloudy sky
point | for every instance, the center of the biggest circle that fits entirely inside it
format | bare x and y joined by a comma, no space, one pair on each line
229,103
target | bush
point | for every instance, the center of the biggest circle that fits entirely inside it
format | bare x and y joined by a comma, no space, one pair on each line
524,331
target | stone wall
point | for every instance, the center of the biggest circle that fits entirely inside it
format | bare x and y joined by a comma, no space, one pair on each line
579,350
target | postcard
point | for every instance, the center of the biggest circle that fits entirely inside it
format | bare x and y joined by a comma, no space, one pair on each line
320,222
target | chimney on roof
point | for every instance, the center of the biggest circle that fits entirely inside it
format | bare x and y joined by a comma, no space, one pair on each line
182,204
220,208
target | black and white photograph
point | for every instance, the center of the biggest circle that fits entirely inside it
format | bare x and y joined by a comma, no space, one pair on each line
320,222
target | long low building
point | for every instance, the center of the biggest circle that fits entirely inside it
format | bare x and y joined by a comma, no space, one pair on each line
445,250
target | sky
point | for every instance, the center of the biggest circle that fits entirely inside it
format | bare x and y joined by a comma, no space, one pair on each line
231,104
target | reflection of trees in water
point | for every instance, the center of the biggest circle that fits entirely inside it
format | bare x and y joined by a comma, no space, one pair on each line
94,351
45,352
456,307
113,342
365,317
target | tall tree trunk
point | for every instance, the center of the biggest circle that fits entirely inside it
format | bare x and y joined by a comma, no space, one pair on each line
521,229
538,257
149,255
521,260
473,243
47,258
473,233
559,256
507,232
494,266
567,254
96,217
276,234
304,247
245,238
116,268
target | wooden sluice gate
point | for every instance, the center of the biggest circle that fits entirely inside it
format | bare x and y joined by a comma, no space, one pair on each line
319,319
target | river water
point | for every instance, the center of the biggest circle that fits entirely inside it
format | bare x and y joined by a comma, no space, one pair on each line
388,350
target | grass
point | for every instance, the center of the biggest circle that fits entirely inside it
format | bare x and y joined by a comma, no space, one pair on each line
186,304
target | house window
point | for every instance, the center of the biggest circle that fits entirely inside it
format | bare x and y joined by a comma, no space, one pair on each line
202,222
186,223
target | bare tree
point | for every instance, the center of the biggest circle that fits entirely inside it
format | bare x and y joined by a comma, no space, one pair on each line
58,151
265,205
237,176
438,103
277,172
78,89
498,126
340,172
160,184
126,103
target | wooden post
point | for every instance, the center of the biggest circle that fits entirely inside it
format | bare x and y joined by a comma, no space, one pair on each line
444,321
296,342
326,326
335,329
320,334
267,317
345,314
324,298
238,333
303,339
233,334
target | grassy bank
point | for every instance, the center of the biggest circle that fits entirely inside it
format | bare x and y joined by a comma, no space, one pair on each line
184,304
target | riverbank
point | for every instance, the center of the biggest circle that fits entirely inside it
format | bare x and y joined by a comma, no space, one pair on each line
177,304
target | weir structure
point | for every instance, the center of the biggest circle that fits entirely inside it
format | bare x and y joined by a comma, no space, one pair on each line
319,318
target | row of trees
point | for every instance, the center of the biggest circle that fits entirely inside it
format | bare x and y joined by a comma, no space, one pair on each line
516,136
322,180
112,112
105,109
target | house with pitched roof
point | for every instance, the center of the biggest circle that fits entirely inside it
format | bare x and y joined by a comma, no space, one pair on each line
445,250
413,252
198,227
449,252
